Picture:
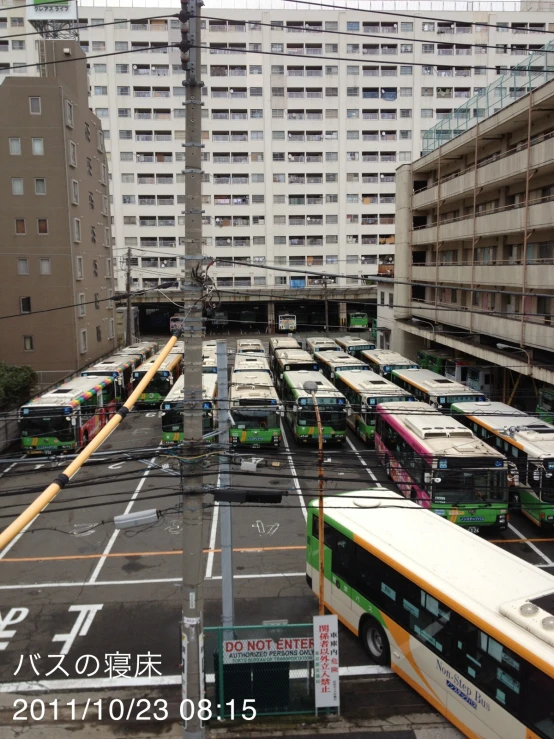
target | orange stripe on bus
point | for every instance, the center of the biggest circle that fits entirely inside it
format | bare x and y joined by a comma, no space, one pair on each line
489,428
462,610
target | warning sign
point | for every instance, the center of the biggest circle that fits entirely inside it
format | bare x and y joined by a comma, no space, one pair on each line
296,649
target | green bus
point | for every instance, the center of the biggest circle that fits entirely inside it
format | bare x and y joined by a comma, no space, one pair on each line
545,404
67,417
162,382
354,345
363,391
358,321
374,324
461,620
437,390
300,412
383,361
291,360
333,363
433,359
173,406
255,410
528,443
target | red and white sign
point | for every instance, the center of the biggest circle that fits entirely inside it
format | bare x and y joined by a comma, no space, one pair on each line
288,649
326,662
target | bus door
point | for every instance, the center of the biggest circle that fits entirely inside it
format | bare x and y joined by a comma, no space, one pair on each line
343,567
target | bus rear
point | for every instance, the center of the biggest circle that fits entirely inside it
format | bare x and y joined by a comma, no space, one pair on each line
354,345
162,382
358,321
255,411
439,463
300,410
286,322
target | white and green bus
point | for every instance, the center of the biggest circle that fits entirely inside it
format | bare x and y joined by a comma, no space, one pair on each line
383,361
354,345
250,363
435,389
282,342
333,363
172,409
364,390
255,410
528,443
465,623
300,412
291,360
250,346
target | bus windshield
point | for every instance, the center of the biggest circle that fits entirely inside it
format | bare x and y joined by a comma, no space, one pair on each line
158,384
335,419
463,485
172,420
254,418
547,488
300,366
47,422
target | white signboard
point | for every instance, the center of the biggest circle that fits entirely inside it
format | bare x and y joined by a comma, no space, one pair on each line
41,10
288,649
326,662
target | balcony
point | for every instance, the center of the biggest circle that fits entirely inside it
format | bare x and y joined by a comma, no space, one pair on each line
150,222
166,221
168,243
146,201
146,180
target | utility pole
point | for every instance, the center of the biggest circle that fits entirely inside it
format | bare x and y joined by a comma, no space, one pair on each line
227,594
326,306
192,634
129,304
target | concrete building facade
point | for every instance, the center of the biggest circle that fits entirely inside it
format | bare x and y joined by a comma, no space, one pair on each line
307,115
55,213
475,242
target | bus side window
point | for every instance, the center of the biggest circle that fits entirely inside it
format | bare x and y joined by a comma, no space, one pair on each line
88,407
537,706
343,559
108,394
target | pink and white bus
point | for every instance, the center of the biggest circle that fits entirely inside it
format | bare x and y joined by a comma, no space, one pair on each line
441,464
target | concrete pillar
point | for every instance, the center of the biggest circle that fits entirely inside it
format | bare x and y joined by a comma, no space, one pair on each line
271,318
343,316
402,257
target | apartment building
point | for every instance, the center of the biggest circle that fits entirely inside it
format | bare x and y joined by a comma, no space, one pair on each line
301,141
55,214
475,241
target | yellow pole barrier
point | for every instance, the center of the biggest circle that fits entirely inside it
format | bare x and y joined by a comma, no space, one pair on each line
64,477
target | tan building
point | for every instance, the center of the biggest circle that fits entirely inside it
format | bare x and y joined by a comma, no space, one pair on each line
475,243
55,219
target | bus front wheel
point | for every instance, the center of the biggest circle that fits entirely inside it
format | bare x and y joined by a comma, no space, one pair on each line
375,641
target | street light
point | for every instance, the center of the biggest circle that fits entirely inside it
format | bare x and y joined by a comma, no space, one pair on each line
516,349
419,320
310,386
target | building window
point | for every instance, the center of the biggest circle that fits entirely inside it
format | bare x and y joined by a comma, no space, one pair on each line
98,333
76,229
17,185
20,229
15,147
108,267
42,225
87,131
40,186
111,329
22,266
37,147
45,266
28,343
81,305
79,272
84,341
75,192
34,106
72,154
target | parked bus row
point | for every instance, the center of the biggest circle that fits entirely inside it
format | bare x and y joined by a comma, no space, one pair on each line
68,416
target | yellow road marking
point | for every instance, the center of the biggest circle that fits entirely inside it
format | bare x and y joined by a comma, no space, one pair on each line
141,554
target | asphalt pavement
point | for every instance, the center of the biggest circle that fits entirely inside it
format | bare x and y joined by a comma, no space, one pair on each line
74,586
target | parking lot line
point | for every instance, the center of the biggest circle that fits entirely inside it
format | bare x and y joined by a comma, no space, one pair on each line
532,546
293,472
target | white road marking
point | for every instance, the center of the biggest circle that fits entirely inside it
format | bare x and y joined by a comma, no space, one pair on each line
80,627
155,581
113,537
549,562
294,477
100,683
363,463
10,468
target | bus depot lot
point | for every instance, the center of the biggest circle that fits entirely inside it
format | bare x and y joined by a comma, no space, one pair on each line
73,585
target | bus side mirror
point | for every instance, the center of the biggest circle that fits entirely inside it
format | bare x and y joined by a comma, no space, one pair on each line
332,375
427,477
281,376
437,480
294,408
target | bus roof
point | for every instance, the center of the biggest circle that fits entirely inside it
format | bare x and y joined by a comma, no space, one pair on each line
531,435
436,433
263,379
171,361
253,391
352,341
250,345
369,383
338,359
297,378
72,393
283,342
178,348
113,364
384,356
322,342
176,394
254,362
432,382
141,347
487,583
295,354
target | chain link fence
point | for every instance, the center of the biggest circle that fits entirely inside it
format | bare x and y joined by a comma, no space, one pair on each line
269,668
